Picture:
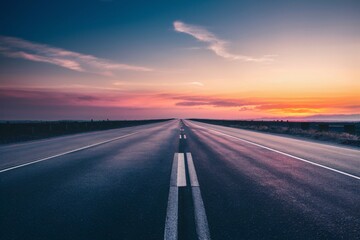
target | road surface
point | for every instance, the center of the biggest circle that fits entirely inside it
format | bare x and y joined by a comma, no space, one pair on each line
179,180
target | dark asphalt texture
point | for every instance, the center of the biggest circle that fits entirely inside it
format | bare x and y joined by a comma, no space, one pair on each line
119,189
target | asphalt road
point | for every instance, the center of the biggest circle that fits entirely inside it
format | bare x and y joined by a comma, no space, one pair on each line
185,180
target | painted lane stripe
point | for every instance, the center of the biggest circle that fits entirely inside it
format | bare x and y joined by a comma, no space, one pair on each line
68,152
192,173
180,136
184,136
177,179
171,222
202,226
181,176
283,153
174,171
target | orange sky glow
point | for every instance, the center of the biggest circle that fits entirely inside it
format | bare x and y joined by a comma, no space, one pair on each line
282,66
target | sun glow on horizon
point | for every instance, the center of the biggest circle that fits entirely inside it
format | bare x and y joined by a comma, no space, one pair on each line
278,61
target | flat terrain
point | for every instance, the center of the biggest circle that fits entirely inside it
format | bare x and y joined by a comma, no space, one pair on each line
20,131
347,133
180,179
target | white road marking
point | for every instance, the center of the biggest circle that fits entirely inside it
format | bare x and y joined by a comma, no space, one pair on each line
192,173
181,176
64,153
283,153
180,136
174,171
184,136
202,226
171,222
176,180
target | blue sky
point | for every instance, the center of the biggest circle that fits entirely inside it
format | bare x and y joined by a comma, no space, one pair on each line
297,35
98,27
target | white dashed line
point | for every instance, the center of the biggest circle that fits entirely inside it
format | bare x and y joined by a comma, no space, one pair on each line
180,136
184,136
181,176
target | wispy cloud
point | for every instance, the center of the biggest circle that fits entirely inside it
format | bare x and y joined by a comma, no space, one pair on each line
215,44
19,48
200,84
272,106
191,101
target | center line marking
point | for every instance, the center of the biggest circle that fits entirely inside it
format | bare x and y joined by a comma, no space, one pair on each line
177,179
174,171
202,226
280,152
171,223
192,173
181,177
64,153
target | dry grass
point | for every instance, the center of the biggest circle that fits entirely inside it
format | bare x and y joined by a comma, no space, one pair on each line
343,138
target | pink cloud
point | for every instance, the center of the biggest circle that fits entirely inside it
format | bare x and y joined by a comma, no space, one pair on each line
19,48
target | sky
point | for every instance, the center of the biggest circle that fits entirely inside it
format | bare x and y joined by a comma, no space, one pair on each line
114,59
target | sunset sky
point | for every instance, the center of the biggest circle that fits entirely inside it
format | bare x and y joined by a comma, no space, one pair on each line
118,59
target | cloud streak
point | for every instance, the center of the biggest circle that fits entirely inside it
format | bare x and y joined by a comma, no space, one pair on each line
37,103
275,106
199,84
19,48
215,44
197,101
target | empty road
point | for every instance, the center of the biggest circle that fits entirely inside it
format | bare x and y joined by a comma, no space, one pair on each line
179,180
